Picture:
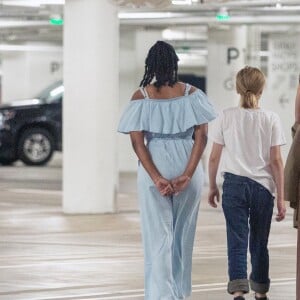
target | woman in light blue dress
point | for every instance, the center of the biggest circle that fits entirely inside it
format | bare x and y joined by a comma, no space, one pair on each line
172,117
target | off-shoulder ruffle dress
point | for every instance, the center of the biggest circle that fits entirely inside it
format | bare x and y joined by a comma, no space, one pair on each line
168,223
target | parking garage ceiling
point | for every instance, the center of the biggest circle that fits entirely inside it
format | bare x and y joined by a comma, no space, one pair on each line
23,21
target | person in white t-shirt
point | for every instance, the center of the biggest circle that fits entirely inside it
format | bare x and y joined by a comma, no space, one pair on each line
249,138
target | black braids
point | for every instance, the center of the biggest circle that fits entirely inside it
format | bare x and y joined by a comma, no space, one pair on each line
161,63
148,75
144,77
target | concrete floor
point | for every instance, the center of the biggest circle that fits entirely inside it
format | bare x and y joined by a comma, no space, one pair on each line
45,254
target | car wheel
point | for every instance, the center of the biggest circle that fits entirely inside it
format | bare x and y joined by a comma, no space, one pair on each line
36,146
7,161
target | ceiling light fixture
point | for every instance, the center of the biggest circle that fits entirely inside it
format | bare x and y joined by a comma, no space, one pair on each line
16,23
12,37
21,3
182,2
56,21
278,5
32,3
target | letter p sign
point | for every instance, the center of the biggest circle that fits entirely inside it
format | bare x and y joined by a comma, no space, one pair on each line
54,66
232,53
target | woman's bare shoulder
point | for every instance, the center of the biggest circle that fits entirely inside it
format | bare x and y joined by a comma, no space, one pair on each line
192,89
137,95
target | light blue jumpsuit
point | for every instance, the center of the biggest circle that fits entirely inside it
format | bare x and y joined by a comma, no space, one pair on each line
168,223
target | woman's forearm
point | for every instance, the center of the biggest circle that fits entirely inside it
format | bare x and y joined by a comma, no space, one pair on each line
213,164
277,170
142,152
144,157
196,154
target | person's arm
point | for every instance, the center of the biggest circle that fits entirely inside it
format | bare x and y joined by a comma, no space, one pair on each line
291,178
278,175
297,104
138,143
200,141
213,165
163,185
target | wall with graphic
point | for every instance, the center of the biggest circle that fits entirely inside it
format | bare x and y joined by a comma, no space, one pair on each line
282,78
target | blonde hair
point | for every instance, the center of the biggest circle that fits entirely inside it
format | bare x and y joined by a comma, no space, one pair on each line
249,84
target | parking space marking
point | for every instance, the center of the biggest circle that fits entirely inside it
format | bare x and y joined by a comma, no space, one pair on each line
131,294
35,191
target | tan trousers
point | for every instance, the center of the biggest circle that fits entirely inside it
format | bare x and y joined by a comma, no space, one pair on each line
298,259
297,224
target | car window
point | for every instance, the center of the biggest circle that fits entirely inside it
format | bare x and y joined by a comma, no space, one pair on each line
52,94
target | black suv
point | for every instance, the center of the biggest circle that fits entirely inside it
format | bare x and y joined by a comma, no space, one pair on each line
31,130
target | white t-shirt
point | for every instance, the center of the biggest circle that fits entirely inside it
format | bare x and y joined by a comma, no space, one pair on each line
247,136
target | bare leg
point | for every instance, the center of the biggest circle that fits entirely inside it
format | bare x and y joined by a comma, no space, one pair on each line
258,295
236,294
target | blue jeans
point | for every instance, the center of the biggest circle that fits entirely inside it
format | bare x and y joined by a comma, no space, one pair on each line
248,208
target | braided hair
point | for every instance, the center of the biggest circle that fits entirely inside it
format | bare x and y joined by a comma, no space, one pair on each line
161,63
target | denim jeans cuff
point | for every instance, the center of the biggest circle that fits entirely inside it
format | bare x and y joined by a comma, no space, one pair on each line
238,285
261,288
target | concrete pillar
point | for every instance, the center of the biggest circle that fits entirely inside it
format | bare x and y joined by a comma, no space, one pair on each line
127,160
254,45
91,52
26,73
226,56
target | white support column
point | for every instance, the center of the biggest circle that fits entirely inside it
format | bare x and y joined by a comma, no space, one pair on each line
91,52
254,46
226,56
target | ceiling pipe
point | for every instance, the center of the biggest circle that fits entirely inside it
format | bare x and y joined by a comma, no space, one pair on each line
200,20
256,3
170,19
28,47
22,23
208,6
